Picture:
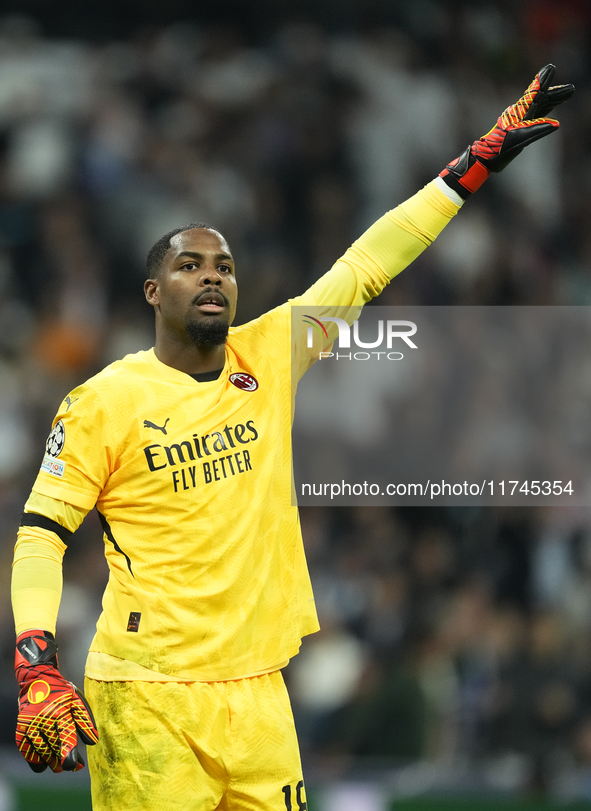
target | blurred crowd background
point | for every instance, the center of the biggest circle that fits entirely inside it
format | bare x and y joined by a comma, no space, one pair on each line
457,637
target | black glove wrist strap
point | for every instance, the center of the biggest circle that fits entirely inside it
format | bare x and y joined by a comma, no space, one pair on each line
35,654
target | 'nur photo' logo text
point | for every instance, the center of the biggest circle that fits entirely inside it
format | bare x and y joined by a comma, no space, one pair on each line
401,330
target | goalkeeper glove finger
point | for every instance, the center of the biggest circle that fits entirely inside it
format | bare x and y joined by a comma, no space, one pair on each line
518,126
52,711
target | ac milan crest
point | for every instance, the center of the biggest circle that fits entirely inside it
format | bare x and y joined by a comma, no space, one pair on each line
244,381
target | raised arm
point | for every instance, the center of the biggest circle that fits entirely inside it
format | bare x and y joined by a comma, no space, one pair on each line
397,238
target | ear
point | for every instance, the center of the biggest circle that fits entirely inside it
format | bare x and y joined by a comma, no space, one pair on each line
152,292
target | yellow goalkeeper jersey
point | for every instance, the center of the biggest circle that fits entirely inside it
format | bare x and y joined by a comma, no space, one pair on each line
192,480
192,483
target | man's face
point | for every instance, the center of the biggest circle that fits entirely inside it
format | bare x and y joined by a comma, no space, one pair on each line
195,290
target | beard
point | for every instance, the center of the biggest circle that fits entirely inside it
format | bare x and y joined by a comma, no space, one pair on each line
209,332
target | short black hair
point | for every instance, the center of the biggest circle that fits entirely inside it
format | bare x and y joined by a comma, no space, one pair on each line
160,248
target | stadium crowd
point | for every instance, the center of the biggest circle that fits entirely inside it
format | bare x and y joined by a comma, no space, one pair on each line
447,634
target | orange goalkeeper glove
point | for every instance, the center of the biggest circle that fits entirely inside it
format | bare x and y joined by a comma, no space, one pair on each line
520,125
52,711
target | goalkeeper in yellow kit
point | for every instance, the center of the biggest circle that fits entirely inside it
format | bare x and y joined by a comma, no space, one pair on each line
185,452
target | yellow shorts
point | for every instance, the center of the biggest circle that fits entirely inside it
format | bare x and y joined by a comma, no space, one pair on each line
199,746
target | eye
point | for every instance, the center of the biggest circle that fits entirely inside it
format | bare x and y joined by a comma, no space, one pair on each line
189,266
225,268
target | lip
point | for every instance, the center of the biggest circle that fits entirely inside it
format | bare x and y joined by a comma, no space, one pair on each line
210,308
211,301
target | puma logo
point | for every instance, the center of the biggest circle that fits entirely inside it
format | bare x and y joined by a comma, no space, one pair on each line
148,424
71,402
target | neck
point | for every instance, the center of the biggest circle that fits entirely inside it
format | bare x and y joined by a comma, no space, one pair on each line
189,358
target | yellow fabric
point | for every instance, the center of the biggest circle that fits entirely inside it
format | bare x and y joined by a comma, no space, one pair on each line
37,571
66,515
208,579
109,668
36,579
203,542
197,746
383,251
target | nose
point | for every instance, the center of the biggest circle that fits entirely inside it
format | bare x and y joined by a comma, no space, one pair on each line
211,276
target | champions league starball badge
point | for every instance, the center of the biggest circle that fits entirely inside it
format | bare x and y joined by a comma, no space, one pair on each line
55,440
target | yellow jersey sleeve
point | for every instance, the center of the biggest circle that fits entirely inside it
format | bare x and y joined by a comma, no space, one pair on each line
380,254
66,515
383,251
37,569
78,451
36,587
